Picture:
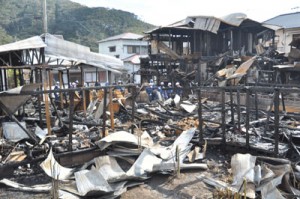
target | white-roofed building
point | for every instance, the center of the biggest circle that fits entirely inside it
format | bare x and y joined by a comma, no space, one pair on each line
128,47
287,29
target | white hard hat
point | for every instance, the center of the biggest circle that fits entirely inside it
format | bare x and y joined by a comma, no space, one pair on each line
169,84
177,83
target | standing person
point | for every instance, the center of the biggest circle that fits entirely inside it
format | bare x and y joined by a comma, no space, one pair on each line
169,90
178,88
162,90
56,94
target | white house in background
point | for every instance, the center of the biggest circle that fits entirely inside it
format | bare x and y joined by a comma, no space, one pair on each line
128,47
287,28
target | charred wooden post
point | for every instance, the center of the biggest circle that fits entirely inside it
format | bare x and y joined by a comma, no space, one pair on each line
40,109
238,108
269,113
21,79
71,114
5,79
31,76
104,112
200,120
256,105
283,103
133,94
111,110
68,77
60,77
276,121
247,117
47,106
223,117
1,81
15,78
232,108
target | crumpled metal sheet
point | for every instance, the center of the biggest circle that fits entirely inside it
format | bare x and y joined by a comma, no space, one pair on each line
268,187
124,137
91,183
242,166
109,168
182,142
13,132
34,188
53,169
143,165
188,107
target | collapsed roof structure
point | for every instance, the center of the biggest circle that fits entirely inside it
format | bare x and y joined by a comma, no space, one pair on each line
180,47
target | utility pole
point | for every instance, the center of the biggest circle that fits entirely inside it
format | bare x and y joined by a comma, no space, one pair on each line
45,16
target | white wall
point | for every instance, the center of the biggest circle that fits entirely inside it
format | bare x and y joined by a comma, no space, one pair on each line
121,48
133,68
285,37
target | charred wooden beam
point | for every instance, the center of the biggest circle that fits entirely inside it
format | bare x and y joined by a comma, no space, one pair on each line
276,121
104,112
71,112
247,117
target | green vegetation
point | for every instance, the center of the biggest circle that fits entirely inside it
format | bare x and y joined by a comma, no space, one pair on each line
20,19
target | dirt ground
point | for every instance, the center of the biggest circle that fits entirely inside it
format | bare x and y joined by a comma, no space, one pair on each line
186,185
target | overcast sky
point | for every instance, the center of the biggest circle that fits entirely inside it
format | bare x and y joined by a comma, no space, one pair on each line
164,12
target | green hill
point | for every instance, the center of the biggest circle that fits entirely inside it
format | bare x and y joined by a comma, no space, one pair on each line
20,19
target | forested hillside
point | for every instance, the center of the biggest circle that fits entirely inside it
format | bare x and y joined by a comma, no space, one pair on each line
20,19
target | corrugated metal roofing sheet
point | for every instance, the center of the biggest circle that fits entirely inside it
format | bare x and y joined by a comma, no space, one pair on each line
234,19
63,49
30,43
291,20
207,23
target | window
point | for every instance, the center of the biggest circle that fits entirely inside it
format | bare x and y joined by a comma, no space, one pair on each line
117,56
133,49
112,49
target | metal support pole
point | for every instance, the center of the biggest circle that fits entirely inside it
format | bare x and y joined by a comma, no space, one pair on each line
71,113
247,116
276,121
104,112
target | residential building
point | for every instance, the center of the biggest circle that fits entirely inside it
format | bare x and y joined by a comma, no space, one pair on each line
128,47
287,29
